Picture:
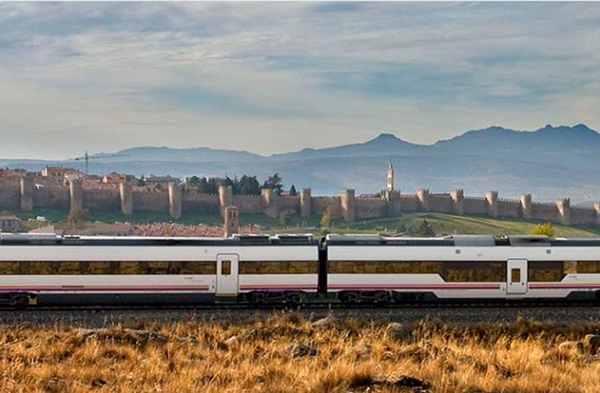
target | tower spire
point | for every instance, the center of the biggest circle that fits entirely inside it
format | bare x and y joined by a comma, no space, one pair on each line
390,177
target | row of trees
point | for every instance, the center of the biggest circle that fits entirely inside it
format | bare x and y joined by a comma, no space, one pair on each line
245,185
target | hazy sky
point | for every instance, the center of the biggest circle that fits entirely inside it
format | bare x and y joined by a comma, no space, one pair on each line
271,77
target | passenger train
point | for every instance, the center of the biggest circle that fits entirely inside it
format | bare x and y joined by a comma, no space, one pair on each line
293,269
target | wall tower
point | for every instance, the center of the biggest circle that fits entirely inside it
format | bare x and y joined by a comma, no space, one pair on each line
232,220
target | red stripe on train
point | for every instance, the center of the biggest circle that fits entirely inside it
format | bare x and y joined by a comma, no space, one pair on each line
112,288
408,286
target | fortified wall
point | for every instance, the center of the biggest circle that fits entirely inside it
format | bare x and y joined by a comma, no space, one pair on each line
27,193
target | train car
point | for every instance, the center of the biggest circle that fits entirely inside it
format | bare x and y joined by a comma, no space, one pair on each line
383,269
49,269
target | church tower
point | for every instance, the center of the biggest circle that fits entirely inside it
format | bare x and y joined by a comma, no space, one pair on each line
390,178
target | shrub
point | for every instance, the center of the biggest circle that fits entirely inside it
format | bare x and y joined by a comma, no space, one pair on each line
544,229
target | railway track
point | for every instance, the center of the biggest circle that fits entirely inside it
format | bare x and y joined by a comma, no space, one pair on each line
315,305
310,306
455,313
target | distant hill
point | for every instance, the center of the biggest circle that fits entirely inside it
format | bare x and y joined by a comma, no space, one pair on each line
548,162
197,154
384,145
566,146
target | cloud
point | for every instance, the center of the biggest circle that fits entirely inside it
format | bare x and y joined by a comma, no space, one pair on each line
272,77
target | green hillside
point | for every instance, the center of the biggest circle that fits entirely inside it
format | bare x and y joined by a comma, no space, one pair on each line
446,224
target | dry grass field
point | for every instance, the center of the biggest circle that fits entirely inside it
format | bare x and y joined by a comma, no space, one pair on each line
288,353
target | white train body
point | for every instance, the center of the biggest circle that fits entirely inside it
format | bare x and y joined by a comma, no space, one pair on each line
525,267
294,268
150,270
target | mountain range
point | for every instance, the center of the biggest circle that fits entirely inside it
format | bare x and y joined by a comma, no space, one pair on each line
548,162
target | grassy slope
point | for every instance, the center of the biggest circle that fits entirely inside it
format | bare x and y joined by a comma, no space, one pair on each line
445,224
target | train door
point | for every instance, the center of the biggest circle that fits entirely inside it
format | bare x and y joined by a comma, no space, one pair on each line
227,274
516,276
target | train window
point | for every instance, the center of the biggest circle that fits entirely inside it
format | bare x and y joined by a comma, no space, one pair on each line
174,267
130,267
570,267
66,267
158,267
272,267
278,267
385,267
588,266
98,267
106,267
249,267
225,268
36,267
9,267
450,271
430,267
346,267
474,271
302,267
545,271
197,267
371,267
515,275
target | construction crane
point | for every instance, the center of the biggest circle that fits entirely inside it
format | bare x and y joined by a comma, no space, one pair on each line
86,157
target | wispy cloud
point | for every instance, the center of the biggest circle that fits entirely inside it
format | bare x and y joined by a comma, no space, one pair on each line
271,77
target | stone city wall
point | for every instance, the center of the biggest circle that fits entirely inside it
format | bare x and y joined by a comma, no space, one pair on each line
441,203
544,211
510,208
247,204
194,201
150,200
581,216
475,205
320,203
51,196
409,203
28,193
367,208
102,199
10,193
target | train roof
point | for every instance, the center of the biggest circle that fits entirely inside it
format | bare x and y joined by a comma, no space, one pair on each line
8,239
461,241
237,240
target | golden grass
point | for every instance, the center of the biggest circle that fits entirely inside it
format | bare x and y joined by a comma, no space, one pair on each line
288,353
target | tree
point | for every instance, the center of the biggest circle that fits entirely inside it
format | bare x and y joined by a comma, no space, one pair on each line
426,229
544,229
274,183
212,184
248,185
76,219
293,191
228,182
327,218
285,217
194,181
